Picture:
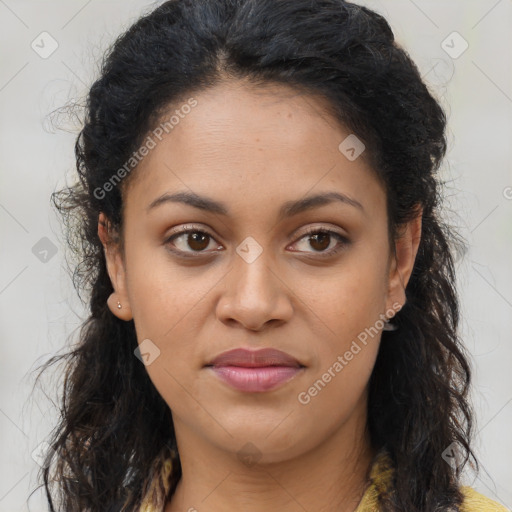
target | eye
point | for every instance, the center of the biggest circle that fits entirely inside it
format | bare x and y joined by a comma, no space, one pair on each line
191,241
190,238
320,239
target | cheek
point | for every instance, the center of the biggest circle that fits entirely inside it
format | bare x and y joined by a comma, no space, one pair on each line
345,318
169,306
350,309
163,296
349,297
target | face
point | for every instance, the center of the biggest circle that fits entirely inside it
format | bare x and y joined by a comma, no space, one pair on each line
260,267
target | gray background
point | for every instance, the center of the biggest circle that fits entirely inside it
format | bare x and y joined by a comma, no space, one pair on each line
38,306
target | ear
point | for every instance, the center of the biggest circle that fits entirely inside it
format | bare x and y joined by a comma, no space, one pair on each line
116,271
402,260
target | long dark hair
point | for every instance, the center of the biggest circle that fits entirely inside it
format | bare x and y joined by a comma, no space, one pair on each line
116,430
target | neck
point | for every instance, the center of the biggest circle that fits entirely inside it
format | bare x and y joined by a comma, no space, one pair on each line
330,477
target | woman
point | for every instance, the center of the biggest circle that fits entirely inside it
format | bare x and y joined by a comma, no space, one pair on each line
273,315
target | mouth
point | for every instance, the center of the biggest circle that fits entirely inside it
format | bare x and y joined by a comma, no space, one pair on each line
255,371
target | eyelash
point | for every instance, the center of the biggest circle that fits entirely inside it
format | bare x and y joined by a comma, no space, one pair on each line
343,241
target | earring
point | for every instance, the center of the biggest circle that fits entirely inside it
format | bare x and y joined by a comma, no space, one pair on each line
119,305
388,326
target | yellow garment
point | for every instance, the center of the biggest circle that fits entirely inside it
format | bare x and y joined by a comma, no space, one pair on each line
380,475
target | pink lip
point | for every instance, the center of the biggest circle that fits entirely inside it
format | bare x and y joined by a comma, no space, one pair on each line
255,371
256,380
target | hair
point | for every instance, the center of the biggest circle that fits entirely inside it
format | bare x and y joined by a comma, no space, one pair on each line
106,449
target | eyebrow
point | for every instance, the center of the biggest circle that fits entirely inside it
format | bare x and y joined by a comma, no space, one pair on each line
288,209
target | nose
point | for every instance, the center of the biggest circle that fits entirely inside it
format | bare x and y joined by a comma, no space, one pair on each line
254,295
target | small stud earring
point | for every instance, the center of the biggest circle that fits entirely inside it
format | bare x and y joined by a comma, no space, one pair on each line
119,305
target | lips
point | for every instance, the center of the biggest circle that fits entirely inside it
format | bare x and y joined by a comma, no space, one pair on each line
255,371
254,358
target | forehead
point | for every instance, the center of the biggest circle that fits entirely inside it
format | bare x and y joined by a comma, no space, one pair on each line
243,143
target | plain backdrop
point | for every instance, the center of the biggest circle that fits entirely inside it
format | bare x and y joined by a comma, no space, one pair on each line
463,49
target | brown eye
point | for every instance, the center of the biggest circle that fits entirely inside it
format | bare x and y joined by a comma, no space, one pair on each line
190,241
320,240
196,240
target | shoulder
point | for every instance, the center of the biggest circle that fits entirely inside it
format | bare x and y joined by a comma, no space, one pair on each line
476,502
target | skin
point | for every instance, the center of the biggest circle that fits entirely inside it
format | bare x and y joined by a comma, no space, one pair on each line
254,149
